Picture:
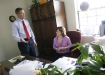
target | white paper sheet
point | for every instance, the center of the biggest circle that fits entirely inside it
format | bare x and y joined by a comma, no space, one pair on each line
26,67
65,63
19,72
34,63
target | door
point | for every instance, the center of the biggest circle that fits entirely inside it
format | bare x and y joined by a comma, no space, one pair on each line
43,11
33,12
40,47
48,48
50,9
49,52
49,29
37,30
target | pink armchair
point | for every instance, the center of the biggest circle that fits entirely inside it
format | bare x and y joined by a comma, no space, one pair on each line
75,36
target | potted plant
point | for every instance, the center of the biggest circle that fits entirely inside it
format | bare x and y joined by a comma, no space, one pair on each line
95,64
35,3
96,60
51,70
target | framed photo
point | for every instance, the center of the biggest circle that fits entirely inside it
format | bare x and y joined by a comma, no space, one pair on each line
12,18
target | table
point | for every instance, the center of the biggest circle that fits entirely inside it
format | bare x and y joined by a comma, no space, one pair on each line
6,65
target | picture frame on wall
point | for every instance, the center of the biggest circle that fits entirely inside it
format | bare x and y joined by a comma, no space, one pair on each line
12,18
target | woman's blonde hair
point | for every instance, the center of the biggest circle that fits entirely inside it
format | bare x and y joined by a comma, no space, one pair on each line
62,30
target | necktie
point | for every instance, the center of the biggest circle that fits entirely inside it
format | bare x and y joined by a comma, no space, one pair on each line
26,31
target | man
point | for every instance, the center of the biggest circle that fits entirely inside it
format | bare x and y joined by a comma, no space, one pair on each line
23,34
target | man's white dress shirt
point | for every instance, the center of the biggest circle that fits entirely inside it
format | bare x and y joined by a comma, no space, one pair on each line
18,30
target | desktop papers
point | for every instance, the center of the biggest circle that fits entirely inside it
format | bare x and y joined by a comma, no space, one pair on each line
64,63
26,67
15,58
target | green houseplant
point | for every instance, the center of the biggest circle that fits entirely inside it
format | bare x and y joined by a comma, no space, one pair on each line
95,63
34,3
94,66
51,70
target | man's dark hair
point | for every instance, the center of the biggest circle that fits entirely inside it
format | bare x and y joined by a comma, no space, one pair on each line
17,10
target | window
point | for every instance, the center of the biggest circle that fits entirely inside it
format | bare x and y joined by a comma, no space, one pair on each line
90,20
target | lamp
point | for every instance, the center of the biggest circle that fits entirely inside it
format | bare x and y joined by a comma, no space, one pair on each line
84,6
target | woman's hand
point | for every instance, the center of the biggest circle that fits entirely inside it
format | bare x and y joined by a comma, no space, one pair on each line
62,48
58,49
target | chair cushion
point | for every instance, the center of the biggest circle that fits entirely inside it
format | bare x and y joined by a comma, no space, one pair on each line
75,36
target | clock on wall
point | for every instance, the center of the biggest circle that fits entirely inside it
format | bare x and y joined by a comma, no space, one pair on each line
12,18
84,6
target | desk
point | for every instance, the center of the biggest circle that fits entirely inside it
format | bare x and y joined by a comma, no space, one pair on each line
7,64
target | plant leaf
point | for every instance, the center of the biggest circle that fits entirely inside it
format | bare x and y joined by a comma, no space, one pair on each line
97,48
86,71
103,58
80,58
77,44
98,58
93,58
84,51
77,73
67,73
43,72
95,72
94,65
50,66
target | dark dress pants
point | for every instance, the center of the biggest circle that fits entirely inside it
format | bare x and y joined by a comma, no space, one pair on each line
27,48
59,55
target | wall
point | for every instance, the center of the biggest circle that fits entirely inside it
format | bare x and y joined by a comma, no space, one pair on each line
72,20
8,47
71,14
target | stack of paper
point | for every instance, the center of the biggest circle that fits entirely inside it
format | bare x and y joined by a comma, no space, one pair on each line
26,67
64,63
34,63
22,70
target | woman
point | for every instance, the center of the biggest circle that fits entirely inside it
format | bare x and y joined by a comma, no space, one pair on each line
61,43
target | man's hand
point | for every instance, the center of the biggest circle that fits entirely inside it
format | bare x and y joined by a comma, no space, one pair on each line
35,43
22,40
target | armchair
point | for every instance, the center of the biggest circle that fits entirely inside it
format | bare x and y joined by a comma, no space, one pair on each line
75,36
